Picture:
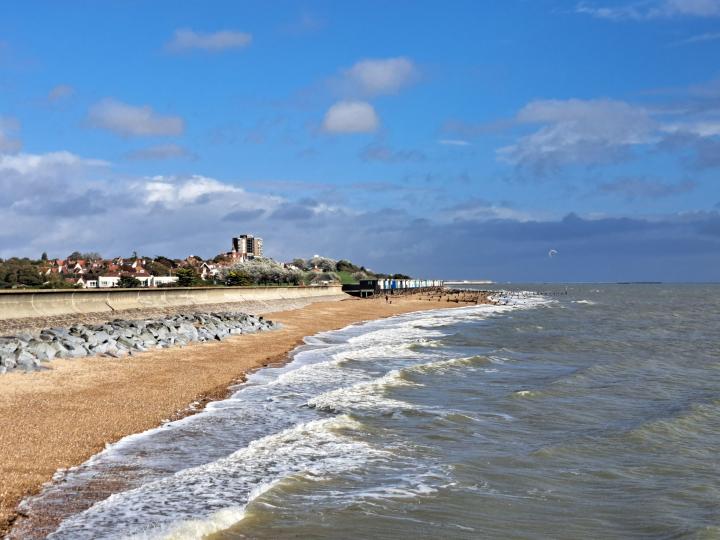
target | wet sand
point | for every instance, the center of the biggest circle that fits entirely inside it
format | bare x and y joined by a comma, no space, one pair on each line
61,417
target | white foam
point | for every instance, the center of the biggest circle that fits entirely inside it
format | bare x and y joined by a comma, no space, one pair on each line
366,396
447,366
197,499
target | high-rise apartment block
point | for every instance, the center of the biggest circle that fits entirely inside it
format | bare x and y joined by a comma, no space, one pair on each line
246,246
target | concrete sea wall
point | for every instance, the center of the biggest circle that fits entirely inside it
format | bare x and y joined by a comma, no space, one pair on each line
44,303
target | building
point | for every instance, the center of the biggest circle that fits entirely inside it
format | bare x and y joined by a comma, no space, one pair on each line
246,246
108,280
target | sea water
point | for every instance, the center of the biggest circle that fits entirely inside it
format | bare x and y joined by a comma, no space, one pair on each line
591,414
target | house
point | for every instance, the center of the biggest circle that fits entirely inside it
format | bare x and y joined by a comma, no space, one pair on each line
79,267
159,281
209,271
108,280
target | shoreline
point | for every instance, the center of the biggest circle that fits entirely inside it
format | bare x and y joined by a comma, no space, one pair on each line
59,418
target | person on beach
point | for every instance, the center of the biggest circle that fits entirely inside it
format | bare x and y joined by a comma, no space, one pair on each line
386,298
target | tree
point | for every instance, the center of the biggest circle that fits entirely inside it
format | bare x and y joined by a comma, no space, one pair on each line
157,269
235,278
187,277
74,256
165,261
263,271
323,263
129,282
347,266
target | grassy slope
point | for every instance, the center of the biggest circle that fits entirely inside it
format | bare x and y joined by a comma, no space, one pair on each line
346,277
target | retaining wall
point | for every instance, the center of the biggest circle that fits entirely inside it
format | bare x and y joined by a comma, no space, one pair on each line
41,303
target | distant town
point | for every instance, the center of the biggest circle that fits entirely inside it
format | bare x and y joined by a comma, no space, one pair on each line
244,264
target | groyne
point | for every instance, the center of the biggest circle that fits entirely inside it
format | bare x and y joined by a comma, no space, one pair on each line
50,303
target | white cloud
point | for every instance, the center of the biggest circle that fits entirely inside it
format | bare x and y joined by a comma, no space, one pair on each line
31,181
46,165
653,9
453,142
8,143
185,40
374,77
60,92
351,117
59,202
701,128
173,193
130,120
578,131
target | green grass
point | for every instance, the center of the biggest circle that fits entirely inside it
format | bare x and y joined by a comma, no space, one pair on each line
346,278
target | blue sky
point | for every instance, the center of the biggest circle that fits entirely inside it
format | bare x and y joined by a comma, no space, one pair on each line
453,139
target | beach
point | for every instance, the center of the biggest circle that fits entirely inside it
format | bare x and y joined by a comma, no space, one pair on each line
58,418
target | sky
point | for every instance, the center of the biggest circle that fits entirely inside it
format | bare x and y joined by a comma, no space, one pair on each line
523,140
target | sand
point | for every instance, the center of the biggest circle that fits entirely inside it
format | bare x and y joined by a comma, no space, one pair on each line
61,417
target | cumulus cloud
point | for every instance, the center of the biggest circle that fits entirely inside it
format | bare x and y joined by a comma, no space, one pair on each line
375,77
654,9
187,40
60,201
83,205
8,142
43,183
51,165
578,131
60,92
131,121
351,117
174,192
159,152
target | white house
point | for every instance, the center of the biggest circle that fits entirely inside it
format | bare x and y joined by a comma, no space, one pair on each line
156,281
108,281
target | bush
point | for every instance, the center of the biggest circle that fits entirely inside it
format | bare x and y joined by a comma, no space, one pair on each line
235,278
187,277
129,282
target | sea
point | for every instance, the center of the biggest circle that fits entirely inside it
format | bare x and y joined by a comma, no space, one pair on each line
567,412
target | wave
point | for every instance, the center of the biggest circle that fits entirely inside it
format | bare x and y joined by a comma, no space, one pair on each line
441,367
198,498
365,397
